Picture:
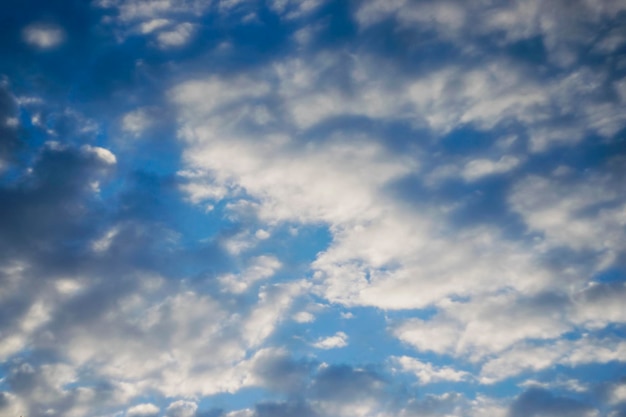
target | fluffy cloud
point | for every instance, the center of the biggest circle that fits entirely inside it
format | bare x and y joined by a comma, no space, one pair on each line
339,340
453,188
427,373
181,409
178,36
487,325
384,254
135,122
581,214
531,357
145,409
261,267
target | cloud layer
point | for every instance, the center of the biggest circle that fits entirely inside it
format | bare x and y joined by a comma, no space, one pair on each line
371,208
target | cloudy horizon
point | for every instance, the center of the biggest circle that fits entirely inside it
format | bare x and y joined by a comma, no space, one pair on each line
313,208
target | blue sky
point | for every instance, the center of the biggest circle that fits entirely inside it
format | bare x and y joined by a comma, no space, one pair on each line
313,208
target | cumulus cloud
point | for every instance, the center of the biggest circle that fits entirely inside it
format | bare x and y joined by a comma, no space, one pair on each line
339,340
261,267
426,372
141,410
136,121
585,214
176,37
532,357
304,317
463,208
102,154
382,253
181,409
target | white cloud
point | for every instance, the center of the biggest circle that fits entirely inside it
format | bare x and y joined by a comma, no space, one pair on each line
273,303
184,344
303,317
181,409
262,234
618,394
261,267
152,25
400,262
553,206
179,36
479,168
44,36
382,254
524,357
11,122
102,154
427,372
273,144
572,385
148,10
338,340
136,121
253,138
487,325
143,410
240,413
104,242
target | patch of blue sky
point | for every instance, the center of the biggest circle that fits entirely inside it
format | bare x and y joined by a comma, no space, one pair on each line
611,275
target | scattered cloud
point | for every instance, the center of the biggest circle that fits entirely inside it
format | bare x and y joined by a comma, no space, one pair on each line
136,121
338,340
427,373
446,178
176,37
141,410
43,36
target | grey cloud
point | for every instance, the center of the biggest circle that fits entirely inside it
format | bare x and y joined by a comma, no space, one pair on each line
44,390
537,402
282,373
47,207
181,408
434,406
564,28
345,383
287,409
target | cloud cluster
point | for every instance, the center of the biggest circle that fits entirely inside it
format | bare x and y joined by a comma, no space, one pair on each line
447,175
495,295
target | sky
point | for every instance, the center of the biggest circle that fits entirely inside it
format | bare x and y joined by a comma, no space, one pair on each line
312,208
